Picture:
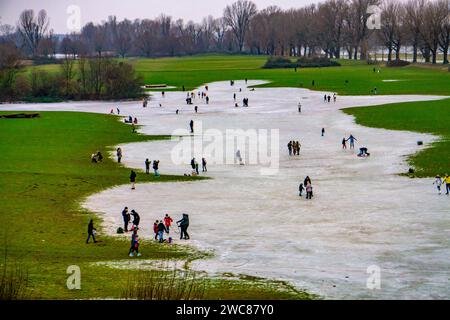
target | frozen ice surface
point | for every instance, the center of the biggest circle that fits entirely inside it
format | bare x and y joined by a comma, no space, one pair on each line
362,214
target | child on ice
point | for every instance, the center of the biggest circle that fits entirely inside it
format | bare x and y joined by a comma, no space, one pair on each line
300,189
438,183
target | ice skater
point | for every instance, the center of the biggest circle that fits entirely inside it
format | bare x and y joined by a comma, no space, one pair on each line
323,132
156,167
438,183
352,140
300,189
168,222
309,191
446,180
184,224
136,219
119,154
147,166
126,219
161,230
133,179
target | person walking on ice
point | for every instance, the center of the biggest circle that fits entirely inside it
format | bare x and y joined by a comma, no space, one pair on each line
344,143
119,154
323,132
191,125
309,190
168,222
438,183
136,219
156,167
447,184
204,169
184,224
133,179
161,229
147,166
300,189
352,140
91,232
126,219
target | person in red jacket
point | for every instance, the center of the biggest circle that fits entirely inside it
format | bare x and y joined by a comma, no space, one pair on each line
168,222
155,229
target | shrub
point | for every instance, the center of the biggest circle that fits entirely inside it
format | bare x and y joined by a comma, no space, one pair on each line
397,63
279,63
316,62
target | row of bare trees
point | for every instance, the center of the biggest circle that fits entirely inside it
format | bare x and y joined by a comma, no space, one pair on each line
352,28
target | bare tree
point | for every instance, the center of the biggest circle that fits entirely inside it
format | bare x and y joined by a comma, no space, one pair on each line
238,17
391,32
431,27
33,28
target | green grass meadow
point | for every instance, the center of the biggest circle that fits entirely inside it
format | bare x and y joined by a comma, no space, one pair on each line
194,71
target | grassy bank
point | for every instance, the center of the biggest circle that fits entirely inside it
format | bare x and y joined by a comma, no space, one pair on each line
426,117
352,78
45,170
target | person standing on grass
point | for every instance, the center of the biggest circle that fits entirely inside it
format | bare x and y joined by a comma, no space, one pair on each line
133,128
126,219
204,169
133,179
447,184
196,167
352,140
156,167
147,166
134,243
191,125
438,183
184,224
91,231
168,222
119,154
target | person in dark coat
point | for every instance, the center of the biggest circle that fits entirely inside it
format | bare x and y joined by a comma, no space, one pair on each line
133,179
147,166
191,125
126,219
161,229
91,231
156,167
184,224
136,218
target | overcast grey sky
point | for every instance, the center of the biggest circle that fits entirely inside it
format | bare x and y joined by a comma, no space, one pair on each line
98,10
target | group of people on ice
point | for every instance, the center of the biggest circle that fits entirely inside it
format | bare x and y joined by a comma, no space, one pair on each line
294,148
306,186
442,182
194,166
